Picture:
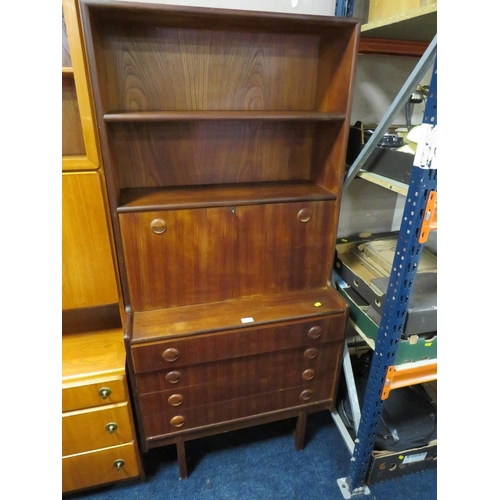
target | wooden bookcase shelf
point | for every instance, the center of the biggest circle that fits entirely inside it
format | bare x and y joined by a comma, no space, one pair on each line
160,116
224,136
220,195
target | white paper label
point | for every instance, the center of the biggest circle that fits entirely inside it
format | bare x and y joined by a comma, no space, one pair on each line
247,320
415,458
426,154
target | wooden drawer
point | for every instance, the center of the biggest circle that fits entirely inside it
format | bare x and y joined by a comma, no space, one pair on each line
91,429
230,379
170,403
234,343
98,467
97,393
196,256
190,418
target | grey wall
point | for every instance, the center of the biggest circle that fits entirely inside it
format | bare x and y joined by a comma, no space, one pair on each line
316,7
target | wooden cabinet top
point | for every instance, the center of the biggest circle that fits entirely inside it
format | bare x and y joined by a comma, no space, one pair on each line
92,354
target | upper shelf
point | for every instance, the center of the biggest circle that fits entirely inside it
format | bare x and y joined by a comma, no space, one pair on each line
154,116
417,25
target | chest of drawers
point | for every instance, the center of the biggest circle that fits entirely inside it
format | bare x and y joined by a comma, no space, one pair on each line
193,380
98,436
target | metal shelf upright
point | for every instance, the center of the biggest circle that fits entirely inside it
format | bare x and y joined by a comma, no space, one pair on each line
418,218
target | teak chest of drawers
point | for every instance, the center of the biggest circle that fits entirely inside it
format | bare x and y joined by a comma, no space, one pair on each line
224,139
98,436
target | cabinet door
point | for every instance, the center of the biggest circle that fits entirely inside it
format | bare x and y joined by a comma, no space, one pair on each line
182,257
88,273
79,135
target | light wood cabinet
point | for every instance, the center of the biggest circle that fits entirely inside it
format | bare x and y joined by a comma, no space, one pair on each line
88,273
89,276
99,445
224,138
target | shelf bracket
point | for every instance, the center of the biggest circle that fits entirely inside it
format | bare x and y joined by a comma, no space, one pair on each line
401,376
429,222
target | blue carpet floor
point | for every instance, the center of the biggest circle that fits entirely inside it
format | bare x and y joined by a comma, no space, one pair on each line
260,463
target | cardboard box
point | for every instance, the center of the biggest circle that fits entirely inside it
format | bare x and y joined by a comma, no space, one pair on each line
385,9
389,465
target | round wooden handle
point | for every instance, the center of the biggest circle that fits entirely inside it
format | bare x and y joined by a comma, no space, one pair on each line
158,226
304,215
314,332
175,399
177,421
173,377
306,395
310,353
171,354
308,374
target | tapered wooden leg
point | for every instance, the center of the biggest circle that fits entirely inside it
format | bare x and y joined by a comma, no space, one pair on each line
300,431
181,458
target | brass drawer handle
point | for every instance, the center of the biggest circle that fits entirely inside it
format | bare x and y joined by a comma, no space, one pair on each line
158,226
173,377
304,215
111,427
171,354
175,399
314,332
104,392
310,353
177,421
119,463
306,395
308,374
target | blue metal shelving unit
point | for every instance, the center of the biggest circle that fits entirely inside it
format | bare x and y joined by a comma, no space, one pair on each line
423,181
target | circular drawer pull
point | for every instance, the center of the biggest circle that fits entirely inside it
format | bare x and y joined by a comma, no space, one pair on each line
175,399
306,395
171,354
173,377
111,427
304,215
308,374
310,353
119,464
104,392
314,332
177,421
158,226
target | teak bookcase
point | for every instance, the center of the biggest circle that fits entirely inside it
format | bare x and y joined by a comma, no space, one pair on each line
224,138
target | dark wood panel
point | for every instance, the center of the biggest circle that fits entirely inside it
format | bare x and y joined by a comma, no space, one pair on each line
213,152
160,423
209,255
66,56
162,324
232,344
233,378
91,318
72,132
384,46
154,68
